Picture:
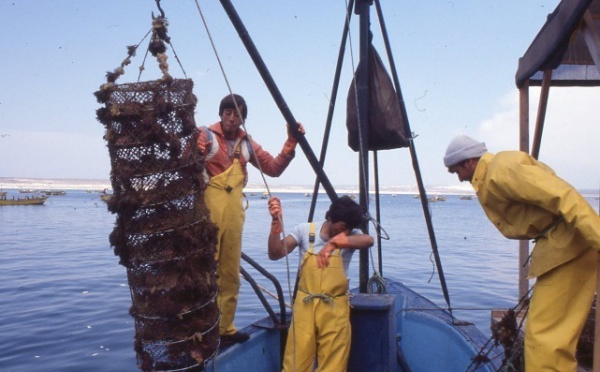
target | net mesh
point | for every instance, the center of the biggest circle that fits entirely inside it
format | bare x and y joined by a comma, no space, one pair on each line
163,234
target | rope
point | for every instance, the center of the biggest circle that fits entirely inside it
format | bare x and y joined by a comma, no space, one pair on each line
376,284
216,53
311,296
224,74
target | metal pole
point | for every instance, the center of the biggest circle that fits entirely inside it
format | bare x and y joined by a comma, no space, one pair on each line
276,94
524,146
415,162
362,89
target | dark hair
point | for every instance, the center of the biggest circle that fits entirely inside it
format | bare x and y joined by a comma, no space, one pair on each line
344,209
229,102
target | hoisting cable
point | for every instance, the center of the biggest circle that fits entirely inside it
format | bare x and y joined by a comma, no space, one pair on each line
280,219
224,74
277,97
332,100
164,36
159,32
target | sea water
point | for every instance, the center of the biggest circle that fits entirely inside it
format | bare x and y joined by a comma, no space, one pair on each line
64,298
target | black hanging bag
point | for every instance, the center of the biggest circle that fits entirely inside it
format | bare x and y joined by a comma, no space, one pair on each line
386,125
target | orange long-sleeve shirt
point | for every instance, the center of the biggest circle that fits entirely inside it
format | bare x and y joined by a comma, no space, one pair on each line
219,154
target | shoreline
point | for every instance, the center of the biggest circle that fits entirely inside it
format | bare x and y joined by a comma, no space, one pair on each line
16,183
30,183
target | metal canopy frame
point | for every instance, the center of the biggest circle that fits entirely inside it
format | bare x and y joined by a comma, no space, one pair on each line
565,53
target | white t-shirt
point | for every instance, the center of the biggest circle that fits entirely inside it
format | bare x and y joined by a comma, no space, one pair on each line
301,234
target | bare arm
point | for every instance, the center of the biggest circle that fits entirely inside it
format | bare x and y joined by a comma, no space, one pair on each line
343,240
359,241
279,248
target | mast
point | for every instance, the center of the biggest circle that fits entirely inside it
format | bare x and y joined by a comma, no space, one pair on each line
362,89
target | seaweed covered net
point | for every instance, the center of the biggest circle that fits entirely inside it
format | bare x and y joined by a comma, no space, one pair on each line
163,234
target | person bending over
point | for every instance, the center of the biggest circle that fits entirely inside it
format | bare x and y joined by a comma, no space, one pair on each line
525,199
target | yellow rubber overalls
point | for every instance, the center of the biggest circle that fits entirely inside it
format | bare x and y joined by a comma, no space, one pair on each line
524,199
321,317
223,197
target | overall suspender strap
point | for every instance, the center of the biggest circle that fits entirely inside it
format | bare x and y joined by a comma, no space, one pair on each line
311,236
311,241
238,151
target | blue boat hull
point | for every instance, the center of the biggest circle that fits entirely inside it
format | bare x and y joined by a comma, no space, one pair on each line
423,337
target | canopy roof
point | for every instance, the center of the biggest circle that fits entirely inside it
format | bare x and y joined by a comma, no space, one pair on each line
560,46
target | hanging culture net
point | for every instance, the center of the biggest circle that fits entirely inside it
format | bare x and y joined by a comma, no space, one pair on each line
163,233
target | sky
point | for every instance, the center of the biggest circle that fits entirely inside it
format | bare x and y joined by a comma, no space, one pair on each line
456,63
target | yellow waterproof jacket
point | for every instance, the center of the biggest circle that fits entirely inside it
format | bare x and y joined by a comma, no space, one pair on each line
523,198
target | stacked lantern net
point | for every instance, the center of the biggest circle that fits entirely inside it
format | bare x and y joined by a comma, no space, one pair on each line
163,233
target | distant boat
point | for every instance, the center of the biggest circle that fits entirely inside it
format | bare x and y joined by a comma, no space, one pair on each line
264,195
308,194
467,197
106,197
437,198
27,191
54,192
104,191
34,200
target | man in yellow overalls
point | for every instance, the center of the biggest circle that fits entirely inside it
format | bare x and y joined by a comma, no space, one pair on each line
227,150
525,199
320,329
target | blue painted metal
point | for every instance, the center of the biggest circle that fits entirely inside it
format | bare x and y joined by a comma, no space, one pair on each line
402,320
261,353
373,320
430,339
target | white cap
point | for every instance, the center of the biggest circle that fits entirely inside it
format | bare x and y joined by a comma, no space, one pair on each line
462,148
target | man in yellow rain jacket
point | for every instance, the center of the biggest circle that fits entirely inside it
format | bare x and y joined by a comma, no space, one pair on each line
320,328
525,199
227,150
